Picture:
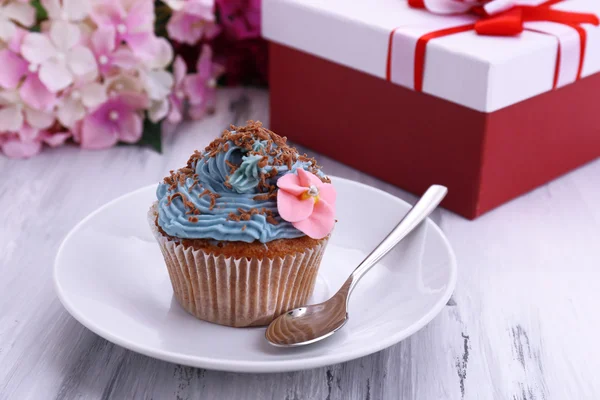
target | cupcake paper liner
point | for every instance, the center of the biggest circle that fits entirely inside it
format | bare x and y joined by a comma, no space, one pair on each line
238,291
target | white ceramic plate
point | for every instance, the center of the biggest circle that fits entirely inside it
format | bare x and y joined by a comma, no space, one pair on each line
110,275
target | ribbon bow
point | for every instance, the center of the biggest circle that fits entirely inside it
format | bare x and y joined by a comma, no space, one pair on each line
506,17
498,18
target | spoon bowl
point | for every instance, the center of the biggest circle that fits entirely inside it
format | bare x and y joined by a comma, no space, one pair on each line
310,324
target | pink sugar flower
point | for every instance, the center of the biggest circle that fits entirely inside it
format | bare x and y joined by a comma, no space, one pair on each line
307,202
133,22
116,119
192,20
108,56
201,86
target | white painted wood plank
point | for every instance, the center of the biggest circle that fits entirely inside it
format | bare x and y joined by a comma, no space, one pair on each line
521,325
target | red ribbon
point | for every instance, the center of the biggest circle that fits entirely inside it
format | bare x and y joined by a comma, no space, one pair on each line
507,23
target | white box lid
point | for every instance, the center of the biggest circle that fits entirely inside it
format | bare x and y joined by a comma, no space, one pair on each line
485,73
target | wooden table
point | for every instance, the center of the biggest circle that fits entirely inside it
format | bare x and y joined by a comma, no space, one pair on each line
522,324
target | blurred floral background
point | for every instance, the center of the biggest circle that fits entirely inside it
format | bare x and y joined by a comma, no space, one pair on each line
101,72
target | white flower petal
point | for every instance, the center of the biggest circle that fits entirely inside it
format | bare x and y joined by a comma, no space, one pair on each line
158,84
56,76
164,54
11,118
7,29
124,82
23,13
38,119
53,8
70,111
28,133
37,48
81,61
76,10
64,35
93,95
9,97
158,110
175,4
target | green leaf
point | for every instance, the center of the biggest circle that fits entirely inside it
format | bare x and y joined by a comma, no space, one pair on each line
40,11
162,14
152,135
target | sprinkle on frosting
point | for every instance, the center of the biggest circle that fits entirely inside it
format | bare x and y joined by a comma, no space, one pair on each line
246,215
213,197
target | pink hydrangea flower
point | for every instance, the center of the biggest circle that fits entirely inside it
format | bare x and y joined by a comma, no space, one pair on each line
17,39
133,21
59,55
12,69
117,119
307,202
192,20
15,70
157,81
28,141
15,114
35,94
75,102
108,56
201,86
240,18
124,82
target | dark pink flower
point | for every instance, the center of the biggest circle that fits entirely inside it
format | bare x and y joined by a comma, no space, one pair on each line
240,18
108,55
201,86
133,22
245,61
192,20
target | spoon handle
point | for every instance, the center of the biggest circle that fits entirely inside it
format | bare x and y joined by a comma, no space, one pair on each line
421,210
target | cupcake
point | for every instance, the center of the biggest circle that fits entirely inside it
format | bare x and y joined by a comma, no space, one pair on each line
243,227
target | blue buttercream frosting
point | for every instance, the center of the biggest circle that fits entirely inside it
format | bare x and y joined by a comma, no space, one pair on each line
214,196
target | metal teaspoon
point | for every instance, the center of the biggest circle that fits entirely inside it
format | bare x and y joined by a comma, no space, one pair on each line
309,324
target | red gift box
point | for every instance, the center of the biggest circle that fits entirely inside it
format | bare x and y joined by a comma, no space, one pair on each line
489,129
